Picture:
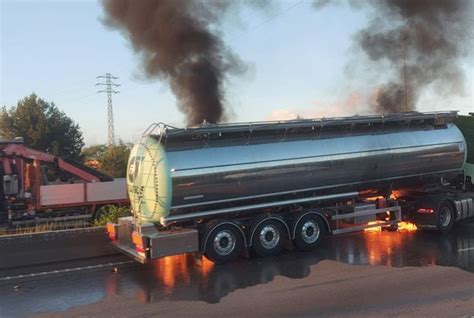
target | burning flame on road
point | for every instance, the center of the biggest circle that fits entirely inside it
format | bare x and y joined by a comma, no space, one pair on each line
402,226
374,228
407,226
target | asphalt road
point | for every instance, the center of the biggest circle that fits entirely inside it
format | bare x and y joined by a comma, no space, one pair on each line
363,274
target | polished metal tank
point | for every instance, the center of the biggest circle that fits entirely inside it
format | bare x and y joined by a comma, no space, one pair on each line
177,171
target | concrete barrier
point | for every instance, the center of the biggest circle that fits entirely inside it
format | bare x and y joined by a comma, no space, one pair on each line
39,248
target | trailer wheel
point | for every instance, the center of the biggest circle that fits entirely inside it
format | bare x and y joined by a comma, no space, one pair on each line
446,217
268,238
224,244
308,232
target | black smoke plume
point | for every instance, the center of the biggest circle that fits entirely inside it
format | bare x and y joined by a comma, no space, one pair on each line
436,36
178,41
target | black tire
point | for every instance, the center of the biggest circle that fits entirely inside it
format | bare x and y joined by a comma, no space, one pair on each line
268,238
224,244
308,232
446,217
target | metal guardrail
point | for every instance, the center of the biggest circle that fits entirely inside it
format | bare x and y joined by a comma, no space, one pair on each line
55,246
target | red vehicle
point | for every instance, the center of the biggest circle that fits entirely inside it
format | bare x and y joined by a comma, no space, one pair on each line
36,186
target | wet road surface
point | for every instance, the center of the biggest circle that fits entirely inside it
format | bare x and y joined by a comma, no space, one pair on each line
389,273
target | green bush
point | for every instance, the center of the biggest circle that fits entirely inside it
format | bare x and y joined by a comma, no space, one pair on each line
111,213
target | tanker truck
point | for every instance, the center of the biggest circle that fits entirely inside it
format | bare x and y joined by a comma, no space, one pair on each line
224,190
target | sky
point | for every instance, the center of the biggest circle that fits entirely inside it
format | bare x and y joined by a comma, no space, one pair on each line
297,64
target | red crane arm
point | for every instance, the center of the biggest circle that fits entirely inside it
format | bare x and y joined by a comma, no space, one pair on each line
28,153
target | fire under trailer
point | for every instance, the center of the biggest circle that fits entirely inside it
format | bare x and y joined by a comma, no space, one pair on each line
226,189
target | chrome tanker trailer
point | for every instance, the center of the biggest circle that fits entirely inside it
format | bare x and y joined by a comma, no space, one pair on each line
229,188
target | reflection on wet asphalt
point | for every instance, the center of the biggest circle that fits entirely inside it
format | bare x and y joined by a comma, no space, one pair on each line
181,278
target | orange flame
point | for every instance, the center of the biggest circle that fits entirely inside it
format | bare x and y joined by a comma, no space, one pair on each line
395,194
407,226
402,226
373,227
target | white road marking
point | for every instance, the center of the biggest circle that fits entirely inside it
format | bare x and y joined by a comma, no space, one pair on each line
466,249
66,270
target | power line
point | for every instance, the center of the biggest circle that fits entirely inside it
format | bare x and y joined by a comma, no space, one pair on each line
109,85
269,19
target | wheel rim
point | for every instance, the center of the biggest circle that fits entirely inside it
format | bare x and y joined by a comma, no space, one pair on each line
310,231
445,216
269,236
224,243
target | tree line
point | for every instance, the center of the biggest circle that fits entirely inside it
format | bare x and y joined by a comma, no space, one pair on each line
43,126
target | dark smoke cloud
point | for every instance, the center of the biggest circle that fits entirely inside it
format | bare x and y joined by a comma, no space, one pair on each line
437,35
178,41
318,4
